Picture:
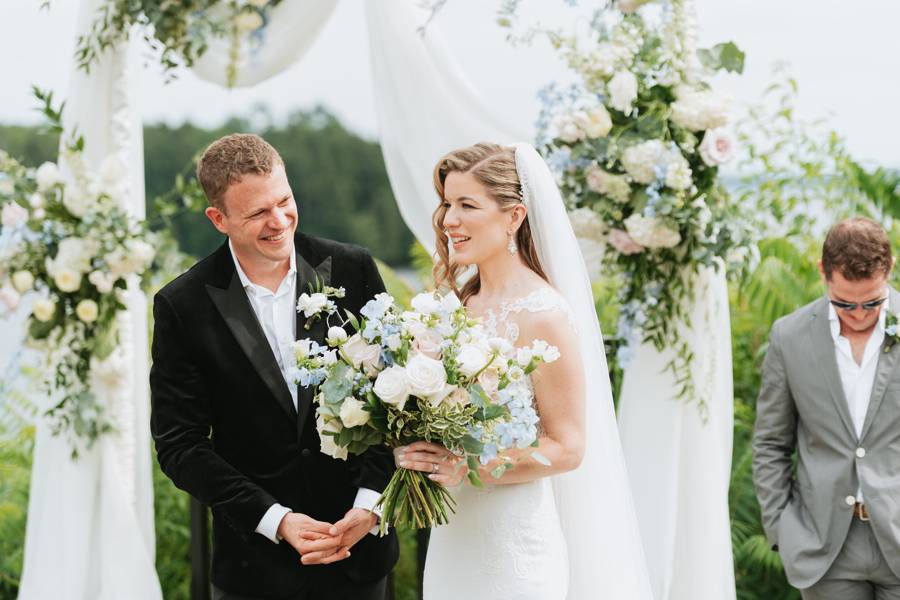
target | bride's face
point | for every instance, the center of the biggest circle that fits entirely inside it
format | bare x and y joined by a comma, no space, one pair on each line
476,226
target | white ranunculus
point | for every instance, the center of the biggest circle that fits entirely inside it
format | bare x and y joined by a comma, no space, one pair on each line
651,232
47,175
642,160
102,281
352,412
67,280
425,303
43,309
595,123
471,359
699,110
427,376
392,386
9,297
248,21
360,353
22,281
13,215
336,336
328,443
717,147
87,311
623,91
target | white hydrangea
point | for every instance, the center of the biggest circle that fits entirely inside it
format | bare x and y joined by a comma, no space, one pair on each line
699,110
651,232
607,184
642,160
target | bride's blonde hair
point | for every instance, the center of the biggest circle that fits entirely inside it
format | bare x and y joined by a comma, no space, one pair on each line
494,167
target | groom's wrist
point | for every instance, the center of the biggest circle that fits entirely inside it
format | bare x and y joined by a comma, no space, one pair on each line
271,521
368,500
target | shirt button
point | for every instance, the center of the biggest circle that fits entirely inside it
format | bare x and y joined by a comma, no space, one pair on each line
860,452
850,500
306,453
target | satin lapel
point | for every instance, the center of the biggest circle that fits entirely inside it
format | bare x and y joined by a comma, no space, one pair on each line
822,348
308,276
886,362
235,308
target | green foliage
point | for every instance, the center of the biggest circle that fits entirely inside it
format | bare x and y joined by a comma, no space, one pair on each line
15,473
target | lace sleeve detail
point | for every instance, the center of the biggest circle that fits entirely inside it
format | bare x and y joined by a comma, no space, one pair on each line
540,300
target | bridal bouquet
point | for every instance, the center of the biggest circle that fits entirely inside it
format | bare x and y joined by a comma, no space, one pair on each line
431,373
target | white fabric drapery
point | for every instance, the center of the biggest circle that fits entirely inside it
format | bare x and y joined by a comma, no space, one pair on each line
679,464
90,532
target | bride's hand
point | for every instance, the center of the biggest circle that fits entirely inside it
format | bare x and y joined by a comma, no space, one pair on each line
442,466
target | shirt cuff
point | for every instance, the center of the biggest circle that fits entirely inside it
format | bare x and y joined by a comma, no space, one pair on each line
268,525
367,499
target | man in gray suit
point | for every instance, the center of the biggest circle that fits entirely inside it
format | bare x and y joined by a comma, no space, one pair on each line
831,393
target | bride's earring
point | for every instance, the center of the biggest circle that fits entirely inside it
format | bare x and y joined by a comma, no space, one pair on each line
511,245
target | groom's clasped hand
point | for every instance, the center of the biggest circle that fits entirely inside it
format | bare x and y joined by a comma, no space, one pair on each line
321,543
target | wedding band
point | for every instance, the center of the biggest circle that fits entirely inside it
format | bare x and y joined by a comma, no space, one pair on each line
434,467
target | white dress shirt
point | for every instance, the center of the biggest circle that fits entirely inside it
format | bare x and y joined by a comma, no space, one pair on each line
857,379
278,317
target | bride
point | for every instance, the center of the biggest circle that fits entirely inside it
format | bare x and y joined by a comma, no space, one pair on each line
566,530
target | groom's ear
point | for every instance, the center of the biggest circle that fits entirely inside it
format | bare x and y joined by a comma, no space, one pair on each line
217,218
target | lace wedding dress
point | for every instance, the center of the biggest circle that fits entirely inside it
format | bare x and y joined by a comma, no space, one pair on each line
504,542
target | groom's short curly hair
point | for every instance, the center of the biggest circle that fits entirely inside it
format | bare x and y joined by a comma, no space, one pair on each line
229,158
858,248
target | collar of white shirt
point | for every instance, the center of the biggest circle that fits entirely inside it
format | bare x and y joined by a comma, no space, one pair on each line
835,323
249,285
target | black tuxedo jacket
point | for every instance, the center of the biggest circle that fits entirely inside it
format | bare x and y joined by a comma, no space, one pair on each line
227,432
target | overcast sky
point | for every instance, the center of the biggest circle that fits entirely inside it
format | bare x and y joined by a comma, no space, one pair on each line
846,56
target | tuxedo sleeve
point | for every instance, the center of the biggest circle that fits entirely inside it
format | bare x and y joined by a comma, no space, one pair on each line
375,466
180,423
774,438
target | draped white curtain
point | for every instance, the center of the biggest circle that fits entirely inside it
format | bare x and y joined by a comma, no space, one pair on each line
90,532
679,464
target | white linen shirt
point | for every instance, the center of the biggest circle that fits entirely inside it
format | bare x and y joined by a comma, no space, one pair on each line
857,379
278,318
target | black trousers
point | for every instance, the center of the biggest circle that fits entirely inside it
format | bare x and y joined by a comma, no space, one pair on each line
323,589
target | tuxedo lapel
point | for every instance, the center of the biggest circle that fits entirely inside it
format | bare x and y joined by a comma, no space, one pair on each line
886,362
235,308
309,277
823,353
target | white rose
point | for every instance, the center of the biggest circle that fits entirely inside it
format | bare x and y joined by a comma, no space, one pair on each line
360,353
596,123
427,376
77,201
524,356
490,382
248,21
76,253
87,311
352,412
459,397
43,309
336,336
328,443
13,215
47,176
392,386
425,303
67,280
427,342
471,359
102,281
9,297
651,232
623,91
699,110
717,147
22,281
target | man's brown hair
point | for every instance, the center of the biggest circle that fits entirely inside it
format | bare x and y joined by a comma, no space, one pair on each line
229,158
858,248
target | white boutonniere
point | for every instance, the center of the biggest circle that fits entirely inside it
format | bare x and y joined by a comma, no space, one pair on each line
891,335
318,302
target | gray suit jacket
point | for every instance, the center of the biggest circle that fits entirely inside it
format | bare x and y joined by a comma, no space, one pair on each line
802,408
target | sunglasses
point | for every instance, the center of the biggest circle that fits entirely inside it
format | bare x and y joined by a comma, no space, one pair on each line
848,306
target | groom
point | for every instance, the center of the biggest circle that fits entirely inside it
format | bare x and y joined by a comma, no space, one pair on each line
831,393
231,428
